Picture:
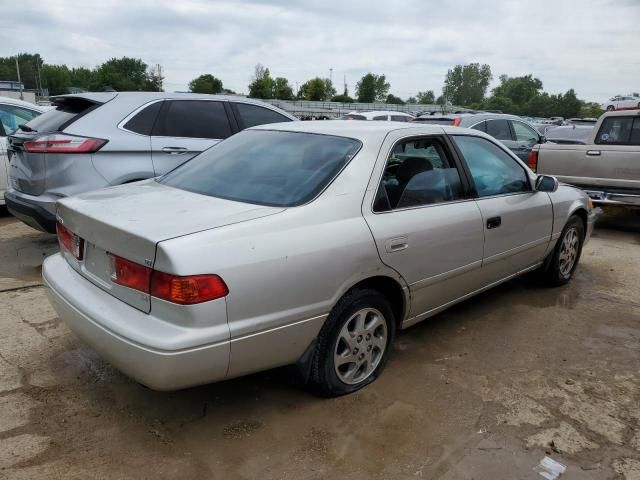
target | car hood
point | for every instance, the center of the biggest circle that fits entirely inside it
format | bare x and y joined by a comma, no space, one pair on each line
130,220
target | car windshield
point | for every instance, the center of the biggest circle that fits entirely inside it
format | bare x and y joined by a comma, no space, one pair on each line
266,167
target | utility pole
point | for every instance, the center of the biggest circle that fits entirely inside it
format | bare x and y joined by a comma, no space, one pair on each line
19,81
160,77
331,75
345,84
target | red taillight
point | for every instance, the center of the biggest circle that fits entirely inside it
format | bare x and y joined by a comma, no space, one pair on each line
183,290
130,274
58,143
69,241
457,121
187,290
532,161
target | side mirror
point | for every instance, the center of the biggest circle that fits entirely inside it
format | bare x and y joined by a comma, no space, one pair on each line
546,183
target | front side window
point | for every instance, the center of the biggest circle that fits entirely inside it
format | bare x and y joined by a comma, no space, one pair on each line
494,172
381,117
192,119
252,115
499,129
524,133
399,118
12,117
266,167
618,131
418,172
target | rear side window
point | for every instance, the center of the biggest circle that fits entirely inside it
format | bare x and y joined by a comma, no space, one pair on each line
192,119
67,110
12,116
266,167
143,121
252,115
354,117
435,121
482,126
381,117
619,131
499,129
399,118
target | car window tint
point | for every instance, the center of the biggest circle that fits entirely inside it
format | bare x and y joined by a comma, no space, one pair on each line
254,115
615,131
494,172
192,118
525,133
634,139
12,116
381,117
499,129
67,110
142,122
266,167
354,117
418,172
399,118
482,126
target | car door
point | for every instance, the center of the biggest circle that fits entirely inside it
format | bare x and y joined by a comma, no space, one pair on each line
517,220
424,223
4,165
526,138
185,128
500,129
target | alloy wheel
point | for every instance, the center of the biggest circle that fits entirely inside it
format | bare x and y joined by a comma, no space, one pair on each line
568,252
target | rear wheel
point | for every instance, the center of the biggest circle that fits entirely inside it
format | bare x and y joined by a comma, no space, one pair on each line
610,108
354,344
560,267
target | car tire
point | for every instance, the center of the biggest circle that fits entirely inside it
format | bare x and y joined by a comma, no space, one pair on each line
610,108
559,267
354,344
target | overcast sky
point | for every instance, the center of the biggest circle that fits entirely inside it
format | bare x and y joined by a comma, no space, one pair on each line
590,45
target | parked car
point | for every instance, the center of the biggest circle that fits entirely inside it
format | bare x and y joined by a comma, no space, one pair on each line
607,166
379,115
13,113
517,134
569,134
621,102
307,243
95,140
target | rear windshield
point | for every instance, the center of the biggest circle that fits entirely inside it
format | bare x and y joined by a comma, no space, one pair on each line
67,109
435,121
266,167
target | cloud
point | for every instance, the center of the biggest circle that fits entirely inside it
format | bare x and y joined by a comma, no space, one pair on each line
590,46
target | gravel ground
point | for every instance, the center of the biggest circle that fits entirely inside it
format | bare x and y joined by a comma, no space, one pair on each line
483,391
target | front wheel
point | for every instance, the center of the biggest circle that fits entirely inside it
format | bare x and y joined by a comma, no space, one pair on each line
610,108
354,344
559,268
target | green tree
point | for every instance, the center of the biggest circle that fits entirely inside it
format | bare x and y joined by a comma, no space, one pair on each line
342,98
569,105
261,85
590,109
518,89
427,98
412,101
316,89
29,65
392,99
466,84
281,89
84,78
123,74
372,87
56,78
205,83
498,103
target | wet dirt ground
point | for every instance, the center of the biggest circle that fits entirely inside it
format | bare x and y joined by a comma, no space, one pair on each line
482,391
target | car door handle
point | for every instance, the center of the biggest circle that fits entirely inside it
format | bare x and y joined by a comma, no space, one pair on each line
494,222
594,153
174,150
396,244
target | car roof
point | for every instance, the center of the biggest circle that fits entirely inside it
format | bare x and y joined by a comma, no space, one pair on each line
376,113
22,103
364,129
621,113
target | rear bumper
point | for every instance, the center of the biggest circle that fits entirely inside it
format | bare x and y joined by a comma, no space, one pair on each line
605,198
92,313
36,213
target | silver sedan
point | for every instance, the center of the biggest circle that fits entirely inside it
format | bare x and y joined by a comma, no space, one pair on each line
305,243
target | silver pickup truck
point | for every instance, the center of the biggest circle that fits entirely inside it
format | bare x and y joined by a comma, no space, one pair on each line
607,167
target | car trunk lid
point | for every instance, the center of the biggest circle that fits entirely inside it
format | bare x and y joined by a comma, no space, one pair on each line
130,220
